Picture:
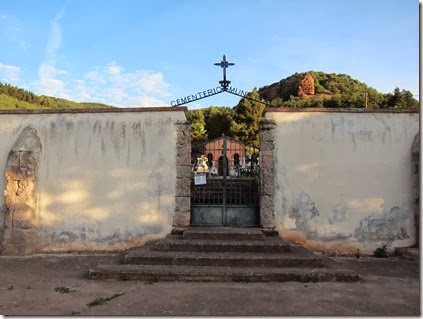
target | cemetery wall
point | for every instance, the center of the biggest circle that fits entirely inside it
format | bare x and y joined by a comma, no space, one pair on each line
343,179
87,180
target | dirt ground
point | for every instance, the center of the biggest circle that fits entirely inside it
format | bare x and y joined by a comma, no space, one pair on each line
33,286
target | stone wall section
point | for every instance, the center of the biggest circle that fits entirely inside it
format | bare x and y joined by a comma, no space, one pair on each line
21,202
267,175
181,219
415,158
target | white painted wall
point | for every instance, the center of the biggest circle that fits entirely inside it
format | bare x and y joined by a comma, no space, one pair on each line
343,180
106,180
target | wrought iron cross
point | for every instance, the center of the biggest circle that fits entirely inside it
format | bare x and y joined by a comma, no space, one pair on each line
224,64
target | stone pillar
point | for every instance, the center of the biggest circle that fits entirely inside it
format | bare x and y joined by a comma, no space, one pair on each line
181,219
19,237
267,175
415,164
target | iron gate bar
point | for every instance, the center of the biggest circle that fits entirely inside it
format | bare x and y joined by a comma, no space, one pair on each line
225,173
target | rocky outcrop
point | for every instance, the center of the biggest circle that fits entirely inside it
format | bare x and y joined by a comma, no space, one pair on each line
301,85
21,176
306,86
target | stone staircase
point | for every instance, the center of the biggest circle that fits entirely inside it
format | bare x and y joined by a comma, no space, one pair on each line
223,254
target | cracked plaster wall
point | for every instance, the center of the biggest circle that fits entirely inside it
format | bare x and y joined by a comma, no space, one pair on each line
106,181
344,180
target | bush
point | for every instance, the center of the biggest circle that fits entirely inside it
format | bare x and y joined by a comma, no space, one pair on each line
319,89
381,252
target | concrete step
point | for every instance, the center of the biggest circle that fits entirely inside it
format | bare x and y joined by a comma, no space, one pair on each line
142,256
175,243
154,273
408,253
223,233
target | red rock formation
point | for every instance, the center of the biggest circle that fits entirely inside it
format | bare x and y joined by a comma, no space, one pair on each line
306,86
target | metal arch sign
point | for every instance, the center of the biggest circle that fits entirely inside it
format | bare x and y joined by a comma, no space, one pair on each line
224,87
207,93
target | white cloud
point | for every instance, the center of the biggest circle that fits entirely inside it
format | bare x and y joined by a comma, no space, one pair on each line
144,101
94,76
153,82
112,85
47,71
52,87
113,68
54,37
117,95
47,83
9,73
83,92
108,84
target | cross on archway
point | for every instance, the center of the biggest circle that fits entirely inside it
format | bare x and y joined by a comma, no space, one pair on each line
224,64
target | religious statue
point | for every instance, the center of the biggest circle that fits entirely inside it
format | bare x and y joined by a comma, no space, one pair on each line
202,166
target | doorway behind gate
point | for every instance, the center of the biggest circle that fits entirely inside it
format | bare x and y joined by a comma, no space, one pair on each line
230,195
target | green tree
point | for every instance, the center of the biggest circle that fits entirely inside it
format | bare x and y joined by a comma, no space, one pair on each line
248,114
218,121
198,130
401,99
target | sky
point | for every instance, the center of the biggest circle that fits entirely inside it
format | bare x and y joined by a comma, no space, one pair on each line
140,53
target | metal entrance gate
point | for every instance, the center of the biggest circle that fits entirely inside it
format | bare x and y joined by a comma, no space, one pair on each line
225,184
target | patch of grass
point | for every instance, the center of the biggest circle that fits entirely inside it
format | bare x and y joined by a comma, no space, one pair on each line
380,252
153,280
241,279
100,300
124,277
96,302
62,290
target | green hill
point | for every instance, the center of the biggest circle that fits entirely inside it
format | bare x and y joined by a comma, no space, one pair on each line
14,98
332,90
309,89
